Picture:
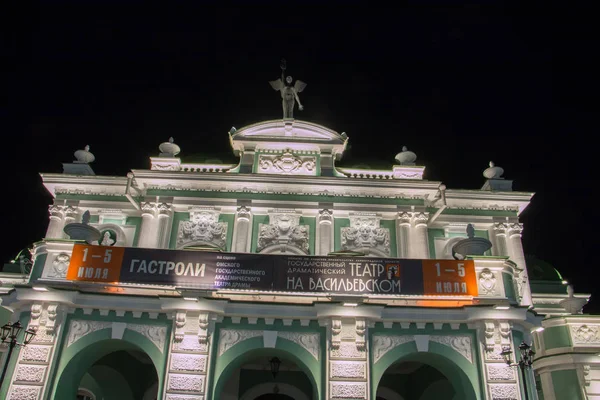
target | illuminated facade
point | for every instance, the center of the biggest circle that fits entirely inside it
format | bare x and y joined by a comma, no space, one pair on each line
290,218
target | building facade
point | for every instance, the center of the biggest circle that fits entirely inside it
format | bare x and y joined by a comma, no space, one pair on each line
285,276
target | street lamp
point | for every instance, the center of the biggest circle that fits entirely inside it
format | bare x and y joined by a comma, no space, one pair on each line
275,364
525,361
10,332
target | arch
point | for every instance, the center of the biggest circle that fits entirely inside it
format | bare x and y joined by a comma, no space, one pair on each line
249,349
121,236
388,394
283,249
267,388
447,252
462,374
371,252
76,359
202,244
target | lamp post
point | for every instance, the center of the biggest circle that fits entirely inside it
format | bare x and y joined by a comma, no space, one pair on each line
275,364
10,332
525,361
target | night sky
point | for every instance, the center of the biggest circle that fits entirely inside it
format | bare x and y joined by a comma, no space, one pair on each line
459,84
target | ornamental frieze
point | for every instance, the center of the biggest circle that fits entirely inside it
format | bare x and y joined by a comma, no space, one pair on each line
287,163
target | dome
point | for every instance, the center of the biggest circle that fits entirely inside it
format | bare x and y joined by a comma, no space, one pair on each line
539,270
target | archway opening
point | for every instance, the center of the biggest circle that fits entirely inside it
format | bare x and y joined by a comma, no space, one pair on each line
254,380
109,369
414,380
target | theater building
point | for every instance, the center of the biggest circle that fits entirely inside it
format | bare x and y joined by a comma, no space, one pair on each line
285,276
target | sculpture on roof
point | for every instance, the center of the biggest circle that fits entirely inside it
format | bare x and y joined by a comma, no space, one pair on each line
289,93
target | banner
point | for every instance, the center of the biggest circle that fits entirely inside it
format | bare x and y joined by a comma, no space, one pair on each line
312,274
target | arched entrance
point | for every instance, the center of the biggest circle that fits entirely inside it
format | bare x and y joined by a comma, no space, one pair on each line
413,380
96,367
122,374
253,380
431,370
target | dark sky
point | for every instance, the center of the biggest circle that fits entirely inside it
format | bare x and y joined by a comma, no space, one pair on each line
458,83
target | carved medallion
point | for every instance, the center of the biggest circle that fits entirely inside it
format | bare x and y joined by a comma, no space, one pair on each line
283,228
487,282
365,231
203,226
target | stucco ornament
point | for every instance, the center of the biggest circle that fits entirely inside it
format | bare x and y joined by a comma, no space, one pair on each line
156,334
504,392
80,328
287,163
310,341
585,334
365,231
487,282
462,344
60,266
384,343
230,337
283,228
203,226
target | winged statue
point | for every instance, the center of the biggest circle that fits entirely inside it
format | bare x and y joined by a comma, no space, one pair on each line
289,93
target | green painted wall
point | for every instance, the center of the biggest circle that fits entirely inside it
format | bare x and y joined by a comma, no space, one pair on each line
223,366
91,386
177,217
94,219
256,220
338,224
38,267
432,234
137,222
70,364
465,376
114,385
312,227
230,219
509,287
556,336
391,225
566,385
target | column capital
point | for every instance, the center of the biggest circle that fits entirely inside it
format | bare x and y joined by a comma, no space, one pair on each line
147,208
404,217
70,211
515,229
243,212
421,218
55,210
164,209
501,228
325,215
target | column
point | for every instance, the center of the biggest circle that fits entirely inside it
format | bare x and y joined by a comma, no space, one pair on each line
165,220
30,378
324,236
500,247
419,241
148,227
500,380
403,234
518,257
347,366
190,356
242,230
71,215
56,225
